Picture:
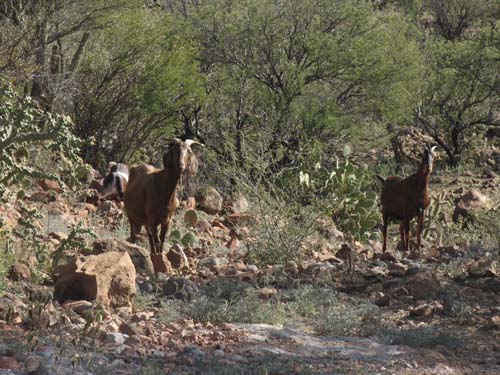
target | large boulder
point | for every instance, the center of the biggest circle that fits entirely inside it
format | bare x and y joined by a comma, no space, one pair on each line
469,203
209,200
139,255
108,278
423,285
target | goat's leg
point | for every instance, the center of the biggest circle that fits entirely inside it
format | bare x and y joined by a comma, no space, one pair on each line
407,234
403,236
156,240
420,225
385,218
151,240
133,232
163,234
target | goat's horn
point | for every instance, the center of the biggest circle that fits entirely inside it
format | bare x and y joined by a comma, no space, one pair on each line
190,142
112,164
173,140
433,148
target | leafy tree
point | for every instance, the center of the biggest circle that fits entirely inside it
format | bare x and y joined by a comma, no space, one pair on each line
133,88
462,90
313,64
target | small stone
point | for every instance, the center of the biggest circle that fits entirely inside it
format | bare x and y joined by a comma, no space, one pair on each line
177,257
33,364
116,338
129,329
423,285
219,353
252,268
146,287
495,321
212,263
80,307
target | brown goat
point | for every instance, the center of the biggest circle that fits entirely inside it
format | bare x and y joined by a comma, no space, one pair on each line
405,198
150,198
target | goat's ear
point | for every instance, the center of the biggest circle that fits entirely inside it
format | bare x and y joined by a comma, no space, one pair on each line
172,140
190,142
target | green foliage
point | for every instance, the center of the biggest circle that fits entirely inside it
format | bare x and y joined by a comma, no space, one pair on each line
461,91
344,191
76,240
24,125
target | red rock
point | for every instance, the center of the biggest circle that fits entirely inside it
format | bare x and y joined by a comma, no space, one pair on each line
161,263
9,363
190,203
47,185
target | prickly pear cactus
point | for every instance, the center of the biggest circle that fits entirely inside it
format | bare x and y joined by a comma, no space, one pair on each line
189,240
191,217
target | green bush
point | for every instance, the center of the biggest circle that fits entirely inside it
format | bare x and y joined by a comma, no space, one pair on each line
23,125
344,192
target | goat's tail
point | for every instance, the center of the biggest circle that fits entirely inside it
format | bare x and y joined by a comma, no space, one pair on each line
381,178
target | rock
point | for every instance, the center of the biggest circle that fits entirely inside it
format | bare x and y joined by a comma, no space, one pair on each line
48,185
59,236
473,201
209,200
387,257
190,203
80,307
233,244
191,217
212,263
382,300
140,256
107,278
146,287
238,204
19,271
177,257
397,269
116,338
203,226
161,264
240,219
33,364
495,321
423,285
484,268
252,268
180,288
108,208
129,329
9,363
267,293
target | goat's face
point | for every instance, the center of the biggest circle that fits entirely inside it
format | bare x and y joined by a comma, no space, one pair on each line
428,159
179,156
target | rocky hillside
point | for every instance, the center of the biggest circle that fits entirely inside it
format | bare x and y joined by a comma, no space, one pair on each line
209,305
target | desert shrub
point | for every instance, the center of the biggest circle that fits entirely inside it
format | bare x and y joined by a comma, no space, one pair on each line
23,126
344,191
232,302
